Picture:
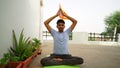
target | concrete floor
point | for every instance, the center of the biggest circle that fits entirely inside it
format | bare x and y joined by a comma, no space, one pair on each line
95,56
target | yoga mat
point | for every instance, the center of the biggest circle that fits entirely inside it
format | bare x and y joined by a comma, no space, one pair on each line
62,66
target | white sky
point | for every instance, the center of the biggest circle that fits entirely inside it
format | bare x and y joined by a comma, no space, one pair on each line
89,13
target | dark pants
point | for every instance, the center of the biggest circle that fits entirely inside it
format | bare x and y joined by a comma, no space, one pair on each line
66,60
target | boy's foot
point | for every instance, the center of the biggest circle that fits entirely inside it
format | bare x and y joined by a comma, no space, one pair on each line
57,59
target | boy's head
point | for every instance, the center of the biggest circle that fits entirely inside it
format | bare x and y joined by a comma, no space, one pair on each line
60,21
60,25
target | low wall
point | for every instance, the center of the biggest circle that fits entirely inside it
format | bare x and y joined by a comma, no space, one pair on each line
79,37
82,38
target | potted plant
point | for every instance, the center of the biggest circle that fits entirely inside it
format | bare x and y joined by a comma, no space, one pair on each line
36,46
4,60
21,49
13,62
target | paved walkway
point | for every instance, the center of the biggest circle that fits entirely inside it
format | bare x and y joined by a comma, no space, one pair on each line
95,56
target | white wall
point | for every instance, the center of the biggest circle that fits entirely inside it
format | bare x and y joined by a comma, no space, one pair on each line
79,37
82,38
18,14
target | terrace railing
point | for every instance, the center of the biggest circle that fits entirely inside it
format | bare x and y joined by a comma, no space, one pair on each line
47,36
102,37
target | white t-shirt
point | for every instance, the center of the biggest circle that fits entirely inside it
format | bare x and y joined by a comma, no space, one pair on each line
60,41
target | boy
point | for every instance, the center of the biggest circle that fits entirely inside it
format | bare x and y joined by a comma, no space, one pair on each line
60,54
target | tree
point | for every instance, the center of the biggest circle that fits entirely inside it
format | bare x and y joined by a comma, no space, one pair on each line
112,22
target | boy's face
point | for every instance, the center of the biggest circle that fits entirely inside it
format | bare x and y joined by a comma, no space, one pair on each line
60,27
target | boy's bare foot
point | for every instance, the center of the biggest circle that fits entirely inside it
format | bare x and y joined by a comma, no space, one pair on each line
57,59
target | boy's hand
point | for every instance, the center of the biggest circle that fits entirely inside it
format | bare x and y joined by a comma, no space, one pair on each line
63,13
58,59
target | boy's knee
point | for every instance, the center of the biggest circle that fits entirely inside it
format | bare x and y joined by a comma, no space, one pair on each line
82,60
42,62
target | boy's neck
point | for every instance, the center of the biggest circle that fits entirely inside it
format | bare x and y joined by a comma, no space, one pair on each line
60,31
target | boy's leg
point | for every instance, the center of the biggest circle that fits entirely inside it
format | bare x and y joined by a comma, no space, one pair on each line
72,61
66,60
48,61
45,61
77,60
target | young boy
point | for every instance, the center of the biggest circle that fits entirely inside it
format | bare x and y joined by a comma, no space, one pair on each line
60,54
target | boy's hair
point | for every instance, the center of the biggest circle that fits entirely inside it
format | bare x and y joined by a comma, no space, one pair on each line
60,21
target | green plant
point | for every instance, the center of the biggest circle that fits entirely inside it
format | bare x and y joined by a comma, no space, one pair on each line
35,43
91,39
14,58
4,60
21,48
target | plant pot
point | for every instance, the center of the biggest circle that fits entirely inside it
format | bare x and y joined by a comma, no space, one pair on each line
35,53
39,51
27,62
19,65
2,66
13,64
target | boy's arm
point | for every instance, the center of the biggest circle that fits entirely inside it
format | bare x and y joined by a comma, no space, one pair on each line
74,21
48,21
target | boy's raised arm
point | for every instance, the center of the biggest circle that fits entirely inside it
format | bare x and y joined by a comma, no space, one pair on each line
74,21
48,21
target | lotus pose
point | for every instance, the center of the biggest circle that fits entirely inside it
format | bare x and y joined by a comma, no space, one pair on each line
60,55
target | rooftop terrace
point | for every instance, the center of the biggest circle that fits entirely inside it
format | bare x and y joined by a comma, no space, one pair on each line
95,56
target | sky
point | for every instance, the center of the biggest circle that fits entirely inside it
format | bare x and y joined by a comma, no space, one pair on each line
90,14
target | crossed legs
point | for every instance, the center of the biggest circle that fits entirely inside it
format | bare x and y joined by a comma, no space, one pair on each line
56,59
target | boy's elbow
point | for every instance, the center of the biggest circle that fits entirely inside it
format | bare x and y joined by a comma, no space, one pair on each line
75,21
45,23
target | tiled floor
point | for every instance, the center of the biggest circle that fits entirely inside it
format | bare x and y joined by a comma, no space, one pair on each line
95,56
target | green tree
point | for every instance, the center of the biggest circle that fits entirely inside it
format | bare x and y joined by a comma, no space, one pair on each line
112,23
